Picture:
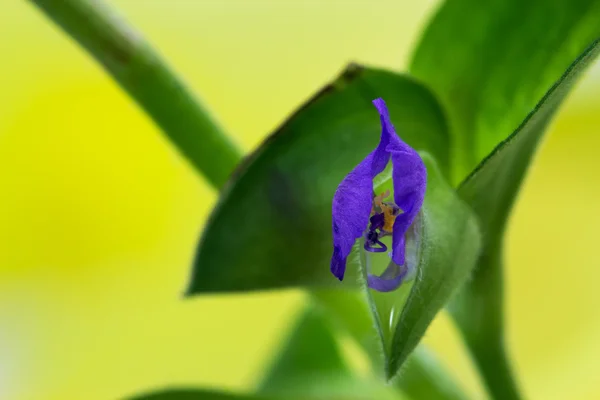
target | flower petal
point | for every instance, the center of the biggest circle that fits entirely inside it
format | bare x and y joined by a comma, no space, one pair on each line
390,280
410,180
352,203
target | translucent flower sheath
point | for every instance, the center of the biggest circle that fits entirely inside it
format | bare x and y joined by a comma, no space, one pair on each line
357,213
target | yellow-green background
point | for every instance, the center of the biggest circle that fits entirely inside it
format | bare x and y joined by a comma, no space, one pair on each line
99,215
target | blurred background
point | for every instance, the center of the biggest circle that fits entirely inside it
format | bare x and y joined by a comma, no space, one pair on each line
99,215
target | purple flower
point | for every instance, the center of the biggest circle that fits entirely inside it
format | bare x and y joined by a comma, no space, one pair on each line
358,213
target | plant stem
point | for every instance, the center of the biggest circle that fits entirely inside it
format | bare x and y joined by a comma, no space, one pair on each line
421,378
478,311
494,366
424,377
141,72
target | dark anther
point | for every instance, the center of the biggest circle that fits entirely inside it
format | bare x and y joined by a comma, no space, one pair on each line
372,239
377,221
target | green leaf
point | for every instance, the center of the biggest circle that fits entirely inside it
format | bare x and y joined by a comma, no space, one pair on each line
198,394
272,226
310,360
491,191
311,366
144,75
350,311
495,68
422,376
448,244
491,61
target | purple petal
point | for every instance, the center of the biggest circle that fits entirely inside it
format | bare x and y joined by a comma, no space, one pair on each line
410,178
352,204
390,280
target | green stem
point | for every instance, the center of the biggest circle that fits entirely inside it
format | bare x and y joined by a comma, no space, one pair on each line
478,311
424,377
141,72
421,378
494,366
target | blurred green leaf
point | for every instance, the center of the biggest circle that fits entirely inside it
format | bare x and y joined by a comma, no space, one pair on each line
311,366
350,311
144,75
272,227
491,191
198,394
448,245
421,377
497,60
491,61
309,361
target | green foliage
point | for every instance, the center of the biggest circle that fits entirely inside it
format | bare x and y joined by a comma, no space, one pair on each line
272,227
491,61
496,68
491,191
310,365
197,394
309,361
421,377
140,71
449,246
488,63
